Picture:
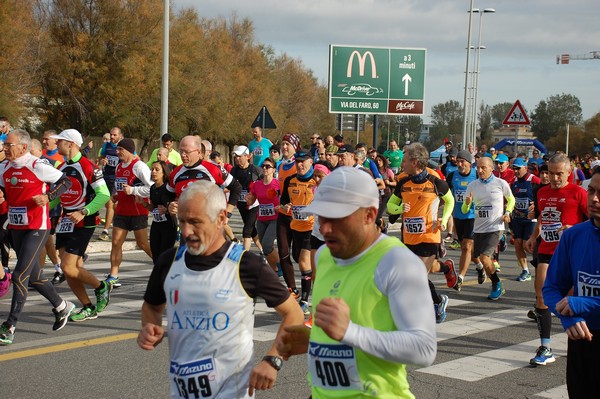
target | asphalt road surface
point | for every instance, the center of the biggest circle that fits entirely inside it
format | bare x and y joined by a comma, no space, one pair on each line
484,347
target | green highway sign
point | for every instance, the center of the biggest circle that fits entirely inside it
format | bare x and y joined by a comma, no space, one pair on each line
376,80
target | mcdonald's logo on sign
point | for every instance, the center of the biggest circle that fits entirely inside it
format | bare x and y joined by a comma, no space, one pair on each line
361,64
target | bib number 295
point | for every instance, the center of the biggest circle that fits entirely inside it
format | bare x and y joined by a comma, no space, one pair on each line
193,387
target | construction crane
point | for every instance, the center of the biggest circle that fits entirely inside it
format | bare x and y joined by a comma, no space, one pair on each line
565,58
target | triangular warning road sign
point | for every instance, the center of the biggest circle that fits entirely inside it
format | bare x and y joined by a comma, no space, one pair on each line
516,115
264,120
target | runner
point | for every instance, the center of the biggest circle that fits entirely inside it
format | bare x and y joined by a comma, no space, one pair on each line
246,173
24,182
132,181
417,198
267,191
88,193
109,161
163,232
559,206
458,181
289,145
209,281
296,195
520,225
371,316
195,168
487,194
572,290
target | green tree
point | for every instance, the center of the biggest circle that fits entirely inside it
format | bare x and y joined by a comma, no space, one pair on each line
485,123
554,113
447,120
498,113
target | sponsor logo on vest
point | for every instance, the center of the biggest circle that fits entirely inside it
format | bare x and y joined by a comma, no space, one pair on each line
331,351
201,366
200,322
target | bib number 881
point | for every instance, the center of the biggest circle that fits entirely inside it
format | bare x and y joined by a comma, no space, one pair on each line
188,387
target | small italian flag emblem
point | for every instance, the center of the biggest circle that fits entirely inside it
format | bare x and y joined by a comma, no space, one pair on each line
174,297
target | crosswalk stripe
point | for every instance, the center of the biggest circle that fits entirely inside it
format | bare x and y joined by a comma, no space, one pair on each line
559,392
494,362
480,323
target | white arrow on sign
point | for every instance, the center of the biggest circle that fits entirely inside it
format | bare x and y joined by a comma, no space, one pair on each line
406,78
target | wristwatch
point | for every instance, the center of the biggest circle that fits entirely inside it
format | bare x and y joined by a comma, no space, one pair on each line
274,361
84,211
229,215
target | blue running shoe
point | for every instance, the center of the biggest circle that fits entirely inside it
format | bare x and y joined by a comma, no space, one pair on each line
543,356
113,281
440,309
497,291
524,276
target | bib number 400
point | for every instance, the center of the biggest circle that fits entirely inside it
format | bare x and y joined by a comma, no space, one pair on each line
193,387
332,374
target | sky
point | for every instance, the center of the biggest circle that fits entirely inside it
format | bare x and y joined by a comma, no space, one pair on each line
522,39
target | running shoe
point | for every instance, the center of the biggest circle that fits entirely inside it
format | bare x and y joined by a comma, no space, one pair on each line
113,281
294,292
86,313
7,334
62,317
451,274
543,356
103,296
524,276
104,236
481,277
533,314
305,307
459,283
5,285
58,278
448,239
497,266
442,250
502,244
497,291
454,245
440,309
308,323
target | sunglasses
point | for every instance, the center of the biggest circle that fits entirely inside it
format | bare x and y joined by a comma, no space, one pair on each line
267,166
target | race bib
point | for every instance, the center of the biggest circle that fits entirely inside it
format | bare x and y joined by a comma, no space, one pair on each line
258,151
588,284
112,161
120,183
265,210
66,225
460,195
17,215
193,379
414,225
243,195
333,366
522,204
298,212
483,211
158,217
551,232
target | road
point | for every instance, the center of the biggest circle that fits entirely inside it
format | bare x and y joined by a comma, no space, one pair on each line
484,347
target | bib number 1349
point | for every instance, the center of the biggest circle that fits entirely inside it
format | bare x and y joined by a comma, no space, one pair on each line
193,387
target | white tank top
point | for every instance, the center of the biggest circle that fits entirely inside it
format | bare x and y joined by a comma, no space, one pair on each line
211,319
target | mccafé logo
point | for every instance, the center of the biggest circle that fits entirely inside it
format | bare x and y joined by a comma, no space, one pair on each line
361,64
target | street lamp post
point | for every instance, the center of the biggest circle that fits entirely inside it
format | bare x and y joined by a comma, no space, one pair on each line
465,112
476,71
